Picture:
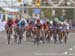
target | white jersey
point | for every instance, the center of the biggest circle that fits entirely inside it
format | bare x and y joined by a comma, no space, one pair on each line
40,22
67,26
61,27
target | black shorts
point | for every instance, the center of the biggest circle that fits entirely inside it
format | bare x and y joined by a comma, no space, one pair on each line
38,27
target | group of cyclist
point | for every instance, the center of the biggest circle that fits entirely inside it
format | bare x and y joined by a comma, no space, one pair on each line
40,24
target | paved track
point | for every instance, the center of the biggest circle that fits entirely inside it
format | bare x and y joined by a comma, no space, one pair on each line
29,49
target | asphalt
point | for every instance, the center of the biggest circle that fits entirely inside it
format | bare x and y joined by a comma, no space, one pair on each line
29,49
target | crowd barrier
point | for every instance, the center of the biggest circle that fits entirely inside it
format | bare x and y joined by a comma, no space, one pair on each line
2,26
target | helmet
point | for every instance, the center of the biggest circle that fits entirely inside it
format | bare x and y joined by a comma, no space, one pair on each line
55,19
51,22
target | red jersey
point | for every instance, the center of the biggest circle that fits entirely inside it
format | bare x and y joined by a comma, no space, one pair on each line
45,26
9,23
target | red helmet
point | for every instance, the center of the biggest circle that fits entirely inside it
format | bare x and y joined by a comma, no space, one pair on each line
38,20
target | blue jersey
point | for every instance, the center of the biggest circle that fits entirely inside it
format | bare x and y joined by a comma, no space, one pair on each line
21,23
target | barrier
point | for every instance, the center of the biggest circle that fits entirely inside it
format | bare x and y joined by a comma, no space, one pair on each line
2,26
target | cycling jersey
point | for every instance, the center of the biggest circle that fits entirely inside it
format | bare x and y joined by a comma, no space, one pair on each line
38,26
21,23
9,23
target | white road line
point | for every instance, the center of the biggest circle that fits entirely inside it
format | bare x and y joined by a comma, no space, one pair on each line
70,49
50,54
65,53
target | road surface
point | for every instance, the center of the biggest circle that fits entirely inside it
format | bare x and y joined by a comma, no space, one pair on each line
29,49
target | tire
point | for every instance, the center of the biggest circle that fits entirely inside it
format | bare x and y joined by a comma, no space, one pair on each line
55,37
15,38
8,38
20,39
65,39
48,38
60,38
37,40
27,36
